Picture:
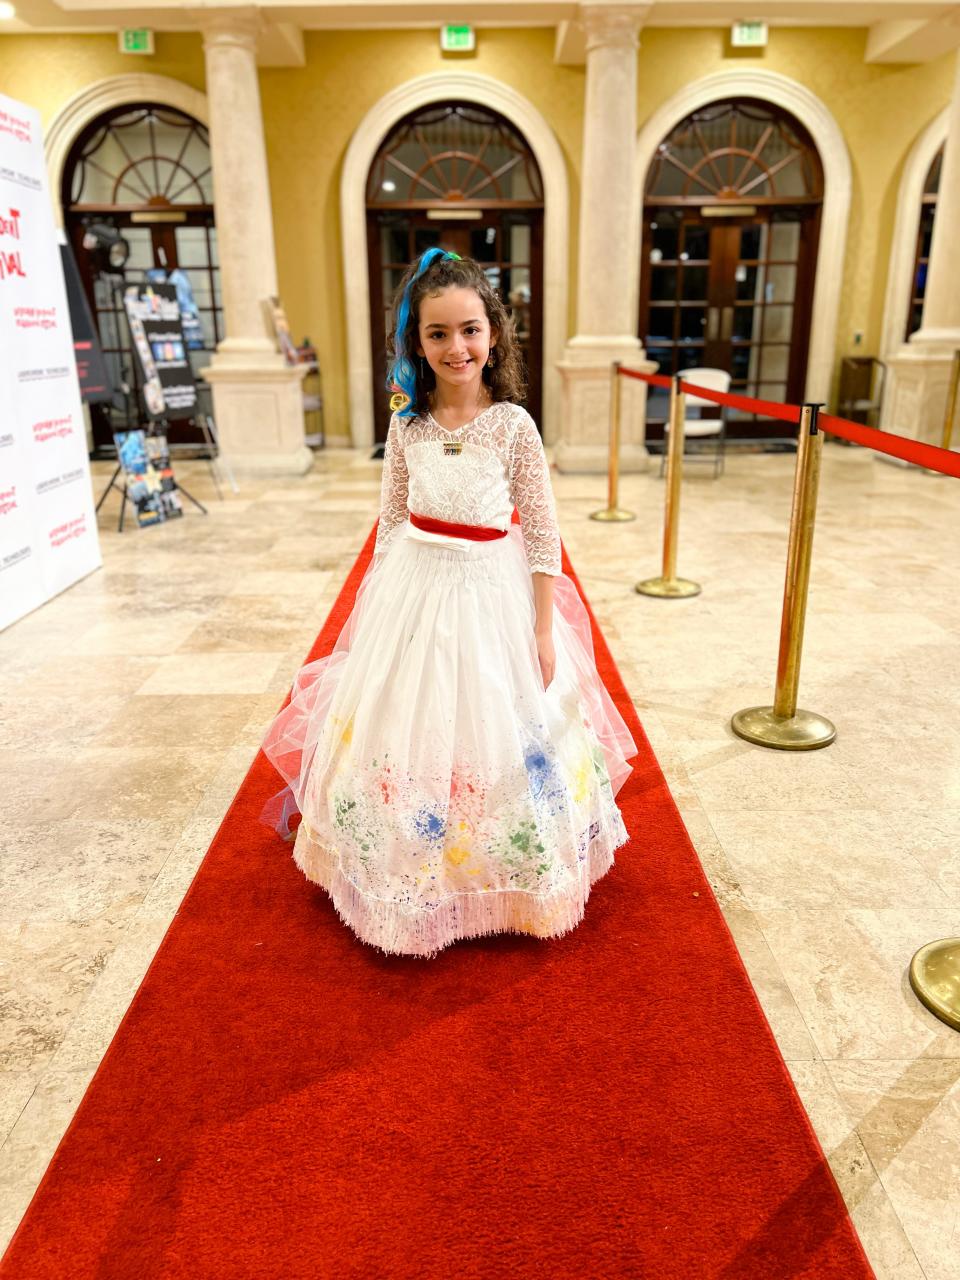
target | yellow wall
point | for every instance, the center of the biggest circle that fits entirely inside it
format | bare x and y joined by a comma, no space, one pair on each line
311,112
46,71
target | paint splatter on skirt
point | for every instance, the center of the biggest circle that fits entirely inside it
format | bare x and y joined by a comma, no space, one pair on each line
444,792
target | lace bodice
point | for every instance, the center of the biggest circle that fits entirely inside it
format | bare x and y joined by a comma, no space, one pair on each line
501,465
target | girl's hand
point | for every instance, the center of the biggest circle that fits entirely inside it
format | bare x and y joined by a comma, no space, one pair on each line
547,656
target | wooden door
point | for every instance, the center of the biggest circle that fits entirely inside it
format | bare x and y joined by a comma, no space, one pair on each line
509,246
734,294
192,247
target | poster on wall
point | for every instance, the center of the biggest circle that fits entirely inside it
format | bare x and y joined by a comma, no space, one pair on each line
168,386
48,528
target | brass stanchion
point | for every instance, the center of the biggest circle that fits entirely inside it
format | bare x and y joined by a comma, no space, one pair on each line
935,977
668,585
935,968
782,725
612,511
953,392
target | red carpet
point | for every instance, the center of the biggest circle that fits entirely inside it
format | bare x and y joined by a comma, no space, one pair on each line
283,1102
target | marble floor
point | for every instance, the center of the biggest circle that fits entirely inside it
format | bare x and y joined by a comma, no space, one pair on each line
132,705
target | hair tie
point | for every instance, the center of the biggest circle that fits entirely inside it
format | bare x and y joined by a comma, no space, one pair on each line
402,380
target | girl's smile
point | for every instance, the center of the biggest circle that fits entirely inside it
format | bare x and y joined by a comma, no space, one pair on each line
455,337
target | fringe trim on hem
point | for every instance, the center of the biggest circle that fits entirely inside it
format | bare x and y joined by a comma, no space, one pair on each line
426,931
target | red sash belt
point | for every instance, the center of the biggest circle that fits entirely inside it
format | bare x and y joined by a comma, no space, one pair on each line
475,532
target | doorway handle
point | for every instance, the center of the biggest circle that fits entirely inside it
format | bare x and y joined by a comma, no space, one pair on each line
713,319
726,324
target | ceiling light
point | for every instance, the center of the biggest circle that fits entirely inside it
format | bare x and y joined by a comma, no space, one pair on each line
7,11
388,184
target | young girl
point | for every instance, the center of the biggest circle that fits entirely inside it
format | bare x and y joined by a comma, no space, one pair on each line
456,757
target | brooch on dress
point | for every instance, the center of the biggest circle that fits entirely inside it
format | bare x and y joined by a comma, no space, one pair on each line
453,447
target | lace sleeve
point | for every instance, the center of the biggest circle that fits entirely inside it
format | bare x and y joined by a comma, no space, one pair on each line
393,489
533,494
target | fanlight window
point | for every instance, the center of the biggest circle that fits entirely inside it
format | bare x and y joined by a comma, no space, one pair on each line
144,156
739,150
451,154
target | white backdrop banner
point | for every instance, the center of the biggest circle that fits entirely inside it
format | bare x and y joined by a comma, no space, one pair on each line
48,527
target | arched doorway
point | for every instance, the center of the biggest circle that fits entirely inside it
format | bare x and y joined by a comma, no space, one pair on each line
144,168
462,177
921,256
731,226
910,245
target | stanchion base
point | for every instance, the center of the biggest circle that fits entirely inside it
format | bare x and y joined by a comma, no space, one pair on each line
613,513
804,731
935,978
668,588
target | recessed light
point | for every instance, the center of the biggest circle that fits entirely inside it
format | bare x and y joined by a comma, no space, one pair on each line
388,185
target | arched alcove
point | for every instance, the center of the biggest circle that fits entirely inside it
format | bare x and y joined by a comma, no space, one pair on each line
779,90
96,99
906,227
459,177
434,88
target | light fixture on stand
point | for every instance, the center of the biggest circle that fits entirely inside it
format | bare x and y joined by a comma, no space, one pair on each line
107,246
109,251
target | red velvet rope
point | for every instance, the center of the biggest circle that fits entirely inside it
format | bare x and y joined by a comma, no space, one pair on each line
654,379
767,408
930,456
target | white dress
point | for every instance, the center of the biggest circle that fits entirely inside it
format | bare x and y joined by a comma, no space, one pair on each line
444,792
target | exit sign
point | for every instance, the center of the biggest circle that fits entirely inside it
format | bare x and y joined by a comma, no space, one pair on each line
749,35
457,39
136,40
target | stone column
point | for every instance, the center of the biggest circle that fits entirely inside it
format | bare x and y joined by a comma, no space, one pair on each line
257,397
608,255
919,374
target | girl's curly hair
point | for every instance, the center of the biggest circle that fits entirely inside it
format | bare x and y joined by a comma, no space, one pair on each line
505,380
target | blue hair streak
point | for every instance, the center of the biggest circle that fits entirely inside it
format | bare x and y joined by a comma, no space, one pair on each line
402,378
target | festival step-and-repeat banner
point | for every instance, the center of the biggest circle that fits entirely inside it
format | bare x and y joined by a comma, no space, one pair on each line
48,527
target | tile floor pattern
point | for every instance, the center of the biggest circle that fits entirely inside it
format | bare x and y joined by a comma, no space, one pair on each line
133,704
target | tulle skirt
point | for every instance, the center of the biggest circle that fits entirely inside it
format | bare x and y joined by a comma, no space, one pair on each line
444,792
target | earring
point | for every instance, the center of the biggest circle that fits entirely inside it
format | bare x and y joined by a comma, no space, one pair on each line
423,370
491,361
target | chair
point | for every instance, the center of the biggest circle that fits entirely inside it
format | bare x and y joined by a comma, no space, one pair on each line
701,428
860,394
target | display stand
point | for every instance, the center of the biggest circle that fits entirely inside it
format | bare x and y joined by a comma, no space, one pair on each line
122,490
174,486
208,429
162,387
